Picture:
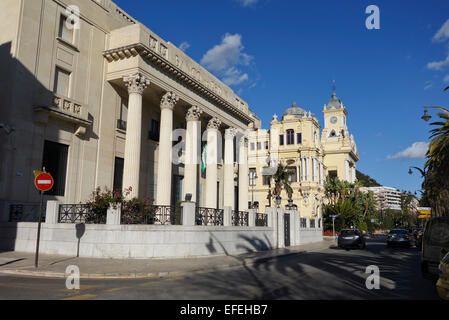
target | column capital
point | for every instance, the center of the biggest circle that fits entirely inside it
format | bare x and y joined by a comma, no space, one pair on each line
194,113
243,142
136,83
169,100
214,123
230,133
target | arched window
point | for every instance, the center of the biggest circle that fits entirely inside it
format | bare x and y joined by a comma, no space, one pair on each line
290,137
333,134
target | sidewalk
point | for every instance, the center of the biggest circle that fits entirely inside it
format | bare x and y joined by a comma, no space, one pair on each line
51,266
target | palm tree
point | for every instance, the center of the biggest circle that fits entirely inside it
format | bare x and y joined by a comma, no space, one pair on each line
436,183
281,181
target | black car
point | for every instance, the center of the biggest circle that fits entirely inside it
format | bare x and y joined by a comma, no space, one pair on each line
435,246
400,237
351,238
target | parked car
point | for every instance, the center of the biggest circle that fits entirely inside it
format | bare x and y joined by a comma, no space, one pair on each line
443,281
400,237
351,238
435,246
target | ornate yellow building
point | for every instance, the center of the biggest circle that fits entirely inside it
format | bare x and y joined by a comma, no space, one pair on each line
296,140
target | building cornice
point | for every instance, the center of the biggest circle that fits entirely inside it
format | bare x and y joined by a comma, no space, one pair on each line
145,52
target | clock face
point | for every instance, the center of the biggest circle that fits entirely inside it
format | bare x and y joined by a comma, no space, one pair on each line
334,120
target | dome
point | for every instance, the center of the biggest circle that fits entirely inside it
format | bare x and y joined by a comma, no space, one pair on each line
295,111
334,102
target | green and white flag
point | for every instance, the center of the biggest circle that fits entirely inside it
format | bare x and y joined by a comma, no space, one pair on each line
204,158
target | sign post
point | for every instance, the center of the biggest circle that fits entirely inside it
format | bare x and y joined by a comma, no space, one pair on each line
43,182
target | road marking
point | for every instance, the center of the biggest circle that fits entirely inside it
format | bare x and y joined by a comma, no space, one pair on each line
149,283
174,279
80,289
82,297
117,289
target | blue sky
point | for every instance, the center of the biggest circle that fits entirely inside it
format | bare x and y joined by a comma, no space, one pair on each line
274,52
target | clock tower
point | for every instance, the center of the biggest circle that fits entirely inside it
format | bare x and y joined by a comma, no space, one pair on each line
340,149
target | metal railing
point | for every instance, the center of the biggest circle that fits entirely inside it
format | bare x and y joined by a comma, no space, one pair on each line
261,220
312,223
303,223
80,213
152,215
239,218
209,217
26,212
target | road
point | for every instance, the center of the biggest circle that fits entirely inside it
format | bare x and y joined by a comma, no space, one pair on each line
324,275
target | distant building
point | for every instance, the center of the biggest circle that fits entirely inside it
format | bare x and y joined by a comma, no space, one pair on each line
386,197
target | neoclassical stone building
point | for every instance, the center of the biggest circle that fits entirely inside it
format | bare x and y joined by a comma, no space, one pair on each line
310,154
96,105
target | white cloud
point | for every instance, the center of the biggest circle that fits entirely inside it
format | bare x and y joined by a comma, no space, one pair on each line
224,58
234,76
417,151
226,54
428,85
247,3
443,33
184,46
446,78
438,65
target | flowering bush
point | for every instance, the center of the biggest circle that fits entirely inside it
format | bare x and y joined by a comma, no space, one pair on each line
134,211
328,233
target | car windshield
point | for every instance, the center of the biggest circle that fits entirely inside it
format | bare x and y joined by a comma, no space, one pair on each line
439,233
348,232
398,232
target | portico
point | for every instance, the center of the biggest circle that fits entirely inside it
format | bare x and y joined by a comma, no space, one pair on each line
162,81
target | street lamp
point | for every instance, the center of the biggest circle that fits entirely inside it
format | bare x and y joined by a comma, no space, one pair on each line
426,117
252,181
410,171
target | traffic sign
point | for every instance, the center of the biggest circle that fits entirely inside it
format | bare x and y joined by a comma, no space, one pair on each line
424,210
44,182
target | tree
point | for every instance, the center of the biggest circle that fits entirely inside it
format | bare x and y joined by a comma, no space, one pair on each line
436,182
281,181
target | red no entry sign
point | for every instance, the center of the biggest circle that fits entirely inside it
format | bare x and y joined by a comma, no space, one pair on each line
44,182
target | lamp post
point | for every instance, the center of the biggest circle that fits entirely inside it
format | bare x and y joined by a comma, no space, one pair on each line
252,181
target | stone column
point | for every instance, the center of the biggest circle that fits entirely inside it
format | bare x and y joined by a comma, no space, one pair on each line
164,165
212,162
136,84
228,181
243,174
192,152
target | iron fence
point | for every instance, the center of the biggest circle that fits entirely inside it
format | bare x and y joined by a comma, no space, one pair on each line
26,212
303,223
261,220
240,218
80,213
209,217
152,215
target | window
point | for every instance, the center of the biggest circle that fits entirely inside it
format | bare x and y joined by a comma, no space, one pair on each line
266,180
55,162
62,82
252,176
118,174
252,146
292,174
154,130
281,139
333,134
333,174
290,137
65,32
266,145
259,145
299,138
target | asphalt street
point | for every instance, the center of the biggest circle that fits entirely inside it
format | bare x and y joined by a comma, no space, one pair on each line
327,274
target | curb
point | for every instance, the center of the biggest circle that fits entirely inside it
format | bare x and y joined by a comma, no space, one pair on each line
151,275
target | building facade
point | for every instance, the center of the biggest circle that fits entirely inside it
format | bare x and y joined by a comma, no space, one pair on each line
95,100
309,153
386,197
